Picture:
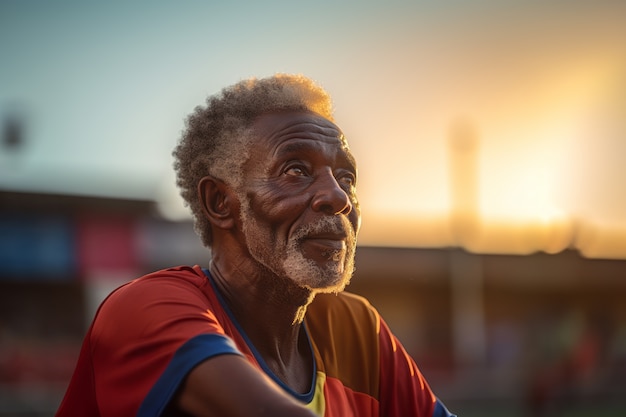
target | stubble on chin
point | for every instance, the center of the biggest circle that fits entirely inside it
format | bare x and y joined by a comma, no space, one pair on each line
335,274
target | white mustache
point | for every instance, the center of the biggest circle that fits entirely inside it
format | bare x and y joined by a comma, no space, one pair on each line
330,224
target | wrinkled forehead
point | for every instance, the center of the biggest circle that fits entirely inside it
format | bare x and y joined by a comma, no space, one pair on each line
276,136
277,127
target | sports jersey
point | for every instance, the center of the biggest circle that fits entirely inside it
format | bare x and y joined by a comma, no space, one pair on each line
151,332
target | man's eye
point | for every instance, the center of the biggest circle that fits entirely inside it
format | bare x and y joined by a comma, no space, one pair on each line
295,171
348,180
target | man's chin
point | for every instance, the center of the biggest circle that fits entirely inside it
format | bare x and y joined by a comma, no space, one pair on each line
326,284
335,289
331,274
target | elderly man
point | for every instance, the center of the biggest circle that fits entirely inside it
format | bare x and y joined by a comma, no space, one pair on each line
265,329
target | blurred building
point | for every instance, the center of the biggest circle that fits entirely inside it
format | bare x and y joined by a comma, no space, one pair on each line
517,335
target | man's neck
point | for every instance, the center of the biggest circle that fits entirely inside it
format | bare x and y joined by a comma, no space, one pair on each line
270,310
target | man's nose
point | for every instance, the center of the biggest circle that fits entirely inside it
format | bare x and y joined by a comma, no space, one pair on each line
330,197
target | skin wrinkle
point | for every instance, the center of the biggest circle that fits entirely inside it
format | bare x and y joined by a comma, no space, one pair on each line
216,137
314,142
295,131
334,277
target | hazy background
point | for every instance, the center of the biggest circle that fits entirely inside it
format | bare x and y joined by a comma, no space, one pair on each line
487,133
93,98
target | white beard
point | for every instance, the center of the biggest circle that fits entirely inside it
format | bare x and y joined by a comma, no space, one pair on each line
291,263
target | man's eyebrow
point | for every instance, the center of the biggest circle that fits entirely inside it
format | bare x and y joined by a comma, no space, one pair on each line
306,146
293,147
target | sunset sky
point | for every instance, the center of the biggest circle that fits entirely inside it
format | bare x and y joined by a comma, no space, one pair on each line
499,126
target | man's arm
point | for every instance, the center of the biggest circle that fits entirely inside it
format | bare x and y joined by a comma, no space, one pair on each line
229,386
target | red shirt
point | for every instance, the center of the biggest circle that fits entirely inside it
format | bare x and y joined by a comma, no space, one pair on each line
150,333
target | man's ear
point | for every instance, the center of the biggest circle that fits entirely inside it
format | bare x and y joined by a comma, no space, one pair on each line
217,200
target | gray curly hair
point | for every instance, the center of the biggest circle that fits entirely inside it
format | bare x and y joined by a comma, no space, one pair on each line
217,136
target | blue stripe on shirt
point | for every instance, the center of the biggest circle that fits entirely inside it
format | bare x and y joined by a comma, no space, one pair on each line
187,357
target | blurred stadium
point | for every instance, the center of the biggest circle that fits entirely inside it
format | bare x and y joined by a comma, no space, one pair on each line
490,138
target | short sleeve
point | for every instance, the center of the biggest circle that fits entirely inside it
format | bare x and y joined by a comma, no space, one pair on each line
142,329
192,353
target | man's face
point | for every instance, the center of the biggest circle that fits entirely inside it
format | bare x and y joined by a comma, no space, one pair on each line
299,209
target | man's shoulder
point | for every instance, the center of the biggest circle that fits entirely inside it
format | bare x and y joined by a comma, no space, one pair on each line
178,276
151,301
183,273
181,282
341,307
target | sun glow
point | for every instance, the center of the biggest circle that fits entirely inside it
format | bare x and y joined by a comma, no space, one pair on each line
514,189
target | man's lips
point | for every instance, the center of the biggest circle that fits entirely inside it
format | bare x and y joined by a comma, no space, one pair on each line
328,241
332,244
